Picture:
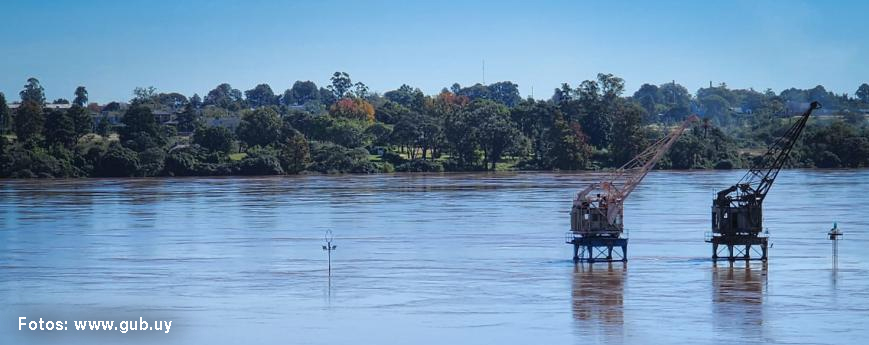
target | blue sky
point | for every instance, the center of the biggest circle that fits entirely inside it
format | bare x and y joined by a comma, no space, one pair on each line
191,46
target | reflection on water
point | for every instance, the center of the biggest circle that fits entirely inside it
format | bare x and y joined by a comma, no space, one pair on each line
422,259
598,299
737,294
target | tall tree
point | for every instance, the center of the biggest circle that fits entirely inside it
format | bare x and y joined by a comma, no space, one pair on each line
81,119
81,96
497,133
301,93
341,84
196,101
144,94
863,93
406,134
59,129
140,131
568,147
505,92
648,96
33,92
29,122
224,96
260,96
361,90
294,153
5,117
407,96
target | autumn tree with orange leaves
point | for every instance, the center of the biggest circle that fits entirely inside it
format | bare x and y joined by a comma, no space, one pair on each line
353,108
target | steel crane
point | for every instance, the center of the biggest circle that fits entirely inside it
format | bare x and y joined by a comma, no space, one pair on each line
737,211
598,210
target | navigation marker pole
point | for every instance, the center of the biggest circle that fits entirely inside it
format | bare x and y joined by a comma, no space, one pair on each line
329,247
834,236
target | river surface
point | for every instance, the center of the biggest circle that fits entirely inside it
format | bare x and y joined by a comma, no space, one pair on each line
424,259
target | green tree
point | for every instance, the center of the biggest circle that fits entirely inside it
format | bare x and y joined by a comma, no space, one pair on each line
260,96
260,161
863,93
497,134
648,96
5,117
569,149
534,119
81,96
151,162
139,119
341,84
224,96
505,92
327,97
103,126
431,135
390,112
461,131
294,153
259,127
346,132
33,92
301,93
29,122
196,101
81,119
118,161
189,119
716,107
406,134
144,94
628,136
60,129
215,138
407,96
379,133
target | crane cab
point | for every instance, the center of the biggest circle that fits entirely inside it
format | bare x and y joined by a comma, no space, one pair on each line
737,220
590,219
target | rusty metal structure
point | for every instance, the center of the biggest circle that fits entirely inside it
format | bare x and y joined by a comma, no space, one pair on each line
737,211
596,226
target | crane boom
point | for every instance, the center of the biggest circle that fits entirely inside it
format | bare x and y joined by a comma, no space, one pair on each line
755,184
614,189
737,211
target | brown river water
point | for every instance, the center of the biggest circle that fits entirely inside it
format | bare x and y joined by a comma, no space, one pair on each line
424,259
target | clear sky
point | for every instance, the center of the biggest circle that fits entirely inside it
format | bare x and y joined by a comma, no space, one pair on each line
191,46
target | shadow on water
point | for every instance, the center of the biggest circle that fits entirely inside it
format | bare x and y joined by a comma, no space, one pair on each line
738,291
598,299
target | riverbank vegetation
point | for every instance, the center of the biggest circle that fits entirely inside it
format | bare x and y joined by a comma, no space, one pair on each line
345,128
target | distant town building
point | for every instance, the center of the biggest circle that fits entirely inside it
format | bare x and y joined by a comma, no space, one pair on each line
50,106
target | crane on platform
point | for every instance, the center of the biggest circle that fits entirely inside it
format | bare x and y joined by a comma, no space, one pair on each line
737,211
596,225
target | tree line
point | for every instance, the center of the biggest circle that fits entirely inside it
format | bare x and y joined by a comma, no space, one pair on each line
345,128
